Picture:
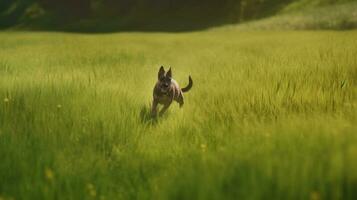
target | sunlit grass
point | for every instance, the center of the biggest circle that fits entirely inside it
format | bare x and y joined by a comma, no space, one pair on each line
272,115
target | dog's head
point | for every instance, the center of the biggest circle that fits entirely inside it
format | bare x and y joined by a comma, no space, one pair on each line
164,79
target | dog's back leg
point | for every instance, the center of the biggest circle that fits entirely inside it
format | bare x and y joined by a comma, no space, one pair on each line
180,100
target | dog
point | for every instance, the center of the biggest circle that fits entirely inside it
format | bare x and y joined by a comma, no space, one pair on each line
167,90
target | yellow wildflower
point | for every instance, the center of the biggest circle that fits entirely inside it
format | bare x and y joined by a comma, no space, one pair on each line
315,195
203,147
49,174
93,193
91,190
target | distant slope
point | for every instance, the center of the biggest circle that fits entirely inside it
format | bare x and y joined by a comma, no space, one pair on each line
293,17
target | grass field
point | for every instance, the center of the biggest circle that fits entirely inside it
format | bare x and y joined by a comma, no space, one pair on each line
271,115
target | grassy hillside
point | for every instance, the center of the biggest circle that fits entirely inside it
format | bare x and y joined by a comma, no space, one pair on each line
272,115
337,17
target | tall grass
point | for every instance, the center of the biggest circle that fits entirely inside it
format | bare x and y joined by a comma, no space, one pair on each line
272,115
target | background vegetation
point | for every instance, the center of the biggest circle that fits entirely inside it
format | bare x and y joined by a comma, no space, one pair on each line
159,15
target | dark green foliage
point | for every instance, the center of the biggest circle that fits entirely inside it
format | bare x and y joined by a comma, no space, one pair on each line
166,15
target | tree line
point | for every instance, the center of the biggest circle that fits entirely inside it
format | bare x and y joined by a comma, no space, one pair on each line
131,12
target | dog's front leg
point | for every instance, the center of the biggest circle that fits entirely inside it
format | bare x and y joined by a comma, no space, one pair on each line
154,108
166,106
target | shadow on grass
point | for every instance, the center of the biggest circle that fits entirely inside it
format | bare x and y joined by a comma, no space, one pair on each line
145,116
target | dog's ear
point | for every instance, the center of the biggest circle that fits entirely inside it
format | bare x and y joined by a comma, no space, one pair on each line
169,73
161,72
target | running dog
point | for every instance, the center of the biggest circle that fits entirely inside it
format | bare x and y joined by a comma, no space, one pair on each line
167,90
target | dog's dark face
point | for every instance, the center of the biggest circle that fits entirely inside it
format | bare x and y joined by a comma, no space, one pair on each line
164,80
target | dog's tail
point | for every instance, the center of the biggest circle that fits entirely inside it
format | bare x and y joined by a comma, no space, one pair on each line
189,86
